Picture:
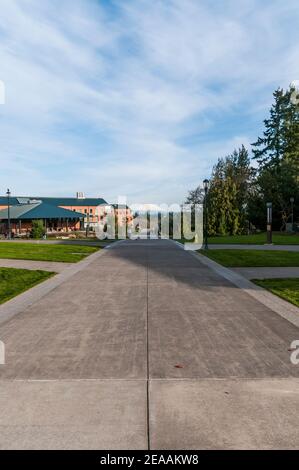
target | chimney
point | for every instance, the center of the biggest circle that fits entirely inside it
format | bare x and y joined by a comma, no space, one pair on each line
80,195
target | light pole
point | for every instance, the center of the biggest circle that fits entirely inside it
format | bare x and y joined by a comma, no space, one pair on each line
269,223
206,186
292,199
87,226
8,194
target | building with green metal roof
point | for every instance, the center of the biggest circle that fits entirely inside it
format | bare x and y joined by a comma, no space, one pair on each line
39,210
79,204
56,201
50,209
55,218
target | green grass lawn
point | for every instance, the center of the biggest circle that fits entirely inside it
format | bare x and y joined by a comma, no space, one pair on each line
251,258
14,281
45,252
257,239
287,289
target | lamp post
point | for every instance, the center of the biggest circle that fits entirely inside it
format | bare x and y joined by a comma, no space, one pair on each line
8,194
292,199
205,186
269,222
87,225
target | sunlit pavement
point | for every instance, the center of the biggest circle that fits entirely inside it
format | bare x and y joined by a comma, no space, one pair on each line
145,347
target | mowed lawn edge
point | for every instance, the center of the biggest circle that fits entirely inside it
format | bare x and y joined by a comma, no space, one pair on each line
285,288
253,258
256,239
14,281
45,252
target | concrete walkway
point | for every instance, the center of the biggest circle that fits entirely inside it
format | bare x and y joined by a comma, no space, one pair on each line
29,264
267,273
148,347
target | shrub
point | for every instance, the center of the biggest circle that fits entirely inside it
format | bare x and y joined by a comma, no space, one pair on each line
38,229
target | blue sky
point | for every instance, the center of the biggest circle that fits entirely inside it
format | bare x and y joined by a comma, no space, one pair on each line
136,97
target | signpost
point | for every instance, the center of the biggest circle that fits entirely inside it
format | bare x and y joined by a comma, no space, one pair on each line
269,223
206,186
292,199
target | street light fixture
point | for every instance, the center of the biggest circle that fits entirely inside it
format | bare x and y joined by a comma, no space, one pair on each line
8,194
205,186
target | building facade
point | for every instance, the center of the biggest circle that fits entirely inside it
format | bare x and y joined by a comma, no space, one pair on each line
88,212
18,219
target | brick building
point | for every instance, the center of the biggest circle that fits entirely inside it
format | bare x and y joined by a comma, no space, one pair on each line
55,218
87,212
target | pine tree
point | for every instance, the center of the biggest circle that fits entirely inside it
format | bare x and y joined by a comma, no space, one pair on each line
269,149
195,196
278,155
291,132
229,190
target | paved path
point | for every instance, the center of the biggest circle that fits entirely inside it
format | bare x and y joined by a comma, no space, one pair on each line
29,264
267,273
147,346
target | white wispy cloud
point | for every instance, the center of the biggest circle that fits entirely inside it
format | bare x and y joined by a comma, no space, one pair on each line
135,97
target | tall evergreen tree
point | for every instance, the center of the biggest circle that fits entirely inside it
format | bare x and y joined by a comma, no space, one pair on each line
195,196
238,193
291,132
269,149
277,153
229,189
